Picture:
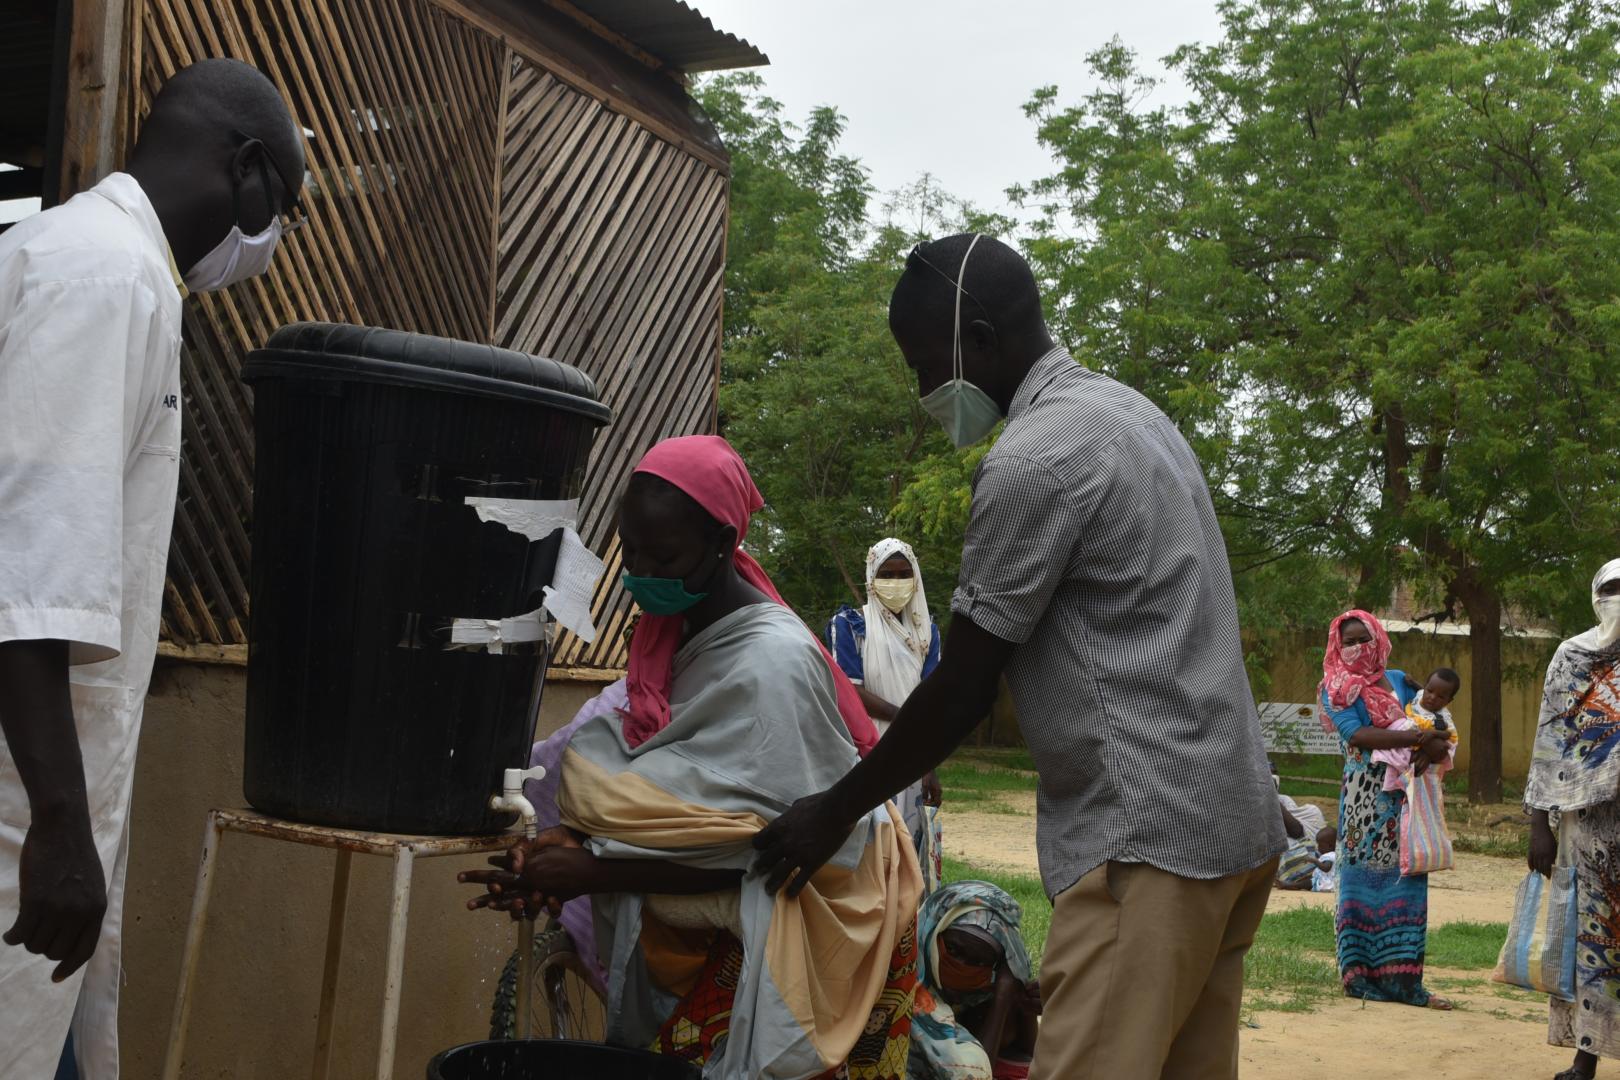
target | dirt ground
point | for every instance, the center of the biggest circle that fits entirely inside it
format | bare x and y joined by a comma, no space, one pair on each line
1496,1033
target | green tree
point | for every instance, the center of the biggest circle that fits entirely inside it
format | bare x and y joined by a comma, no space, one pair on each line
1371,270
814,394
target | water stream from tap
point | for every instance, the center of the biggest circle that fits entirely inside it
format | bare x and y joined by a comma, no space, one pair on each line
525,986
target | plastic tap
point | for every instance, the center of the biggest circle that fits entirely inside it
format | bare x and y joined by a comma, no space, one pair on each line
512,800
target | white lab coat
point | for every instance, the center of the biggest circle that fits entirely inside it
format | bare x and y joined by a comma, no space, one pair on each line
89,466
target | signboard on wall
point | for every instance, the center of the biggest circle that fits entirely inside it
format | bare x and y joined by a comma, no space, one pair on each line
1293,728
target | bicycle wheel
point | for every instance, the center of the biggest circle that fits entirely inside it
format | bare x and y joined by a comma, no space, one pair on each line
564,1003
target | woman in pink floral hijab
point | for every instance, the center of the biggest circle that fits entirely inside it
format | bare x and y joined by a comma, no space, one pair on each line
1382,918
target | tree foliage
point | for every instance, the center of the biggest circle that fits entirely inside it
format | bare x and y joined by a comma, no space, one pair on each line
1370,267
814,393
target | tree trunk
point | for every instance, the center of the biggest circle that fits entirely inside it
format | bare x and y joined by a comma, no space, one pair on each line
1485,695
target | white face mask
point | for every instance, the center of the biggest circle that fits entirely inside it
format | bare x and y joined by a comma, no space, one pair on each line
1608,613
894,593
235,258
966,412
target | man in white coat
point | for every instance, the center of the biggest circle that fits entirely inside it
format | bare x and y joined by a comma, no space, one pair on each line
90,296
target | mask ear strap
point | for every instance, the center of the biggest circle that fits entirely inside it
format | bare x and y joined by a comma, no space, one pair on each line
956,335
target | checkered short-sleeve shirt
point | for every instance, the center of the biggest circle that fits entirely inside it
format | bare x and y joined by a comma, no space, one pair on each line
1093,546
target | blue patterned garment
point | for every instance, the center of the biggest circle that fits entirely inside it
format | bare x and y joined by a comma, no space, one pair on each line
942,1048
1574,763
1573,776
1382,919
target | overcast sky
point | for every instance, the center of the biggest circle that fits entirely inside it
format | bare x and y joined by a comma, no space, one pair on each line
938,86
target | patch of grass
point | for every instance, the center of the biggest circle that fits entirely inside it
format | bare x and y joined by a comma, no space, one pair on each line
957,775
1466,946
1501,845
959,798
1311,789
976,784
1001,757
1025,888
1313,766
1291,966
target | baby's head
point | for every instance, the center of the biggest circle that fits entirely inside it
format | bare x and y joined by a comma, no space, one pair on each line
1441,688
1327,840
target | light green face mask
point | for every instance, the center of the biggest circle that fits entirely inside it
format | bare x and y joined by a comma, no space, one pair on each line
965,411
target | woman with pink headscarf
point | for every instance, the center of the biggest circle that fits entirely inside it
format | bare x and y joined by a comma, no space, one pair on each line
732,710
1383,918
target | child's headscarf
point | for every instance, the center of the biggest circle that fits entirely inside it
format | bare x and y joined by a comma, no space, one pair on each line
939,1039
706,468
1361,674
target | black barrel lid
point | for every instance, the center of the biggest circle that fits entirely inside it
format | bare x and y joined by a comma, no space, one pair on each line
313,350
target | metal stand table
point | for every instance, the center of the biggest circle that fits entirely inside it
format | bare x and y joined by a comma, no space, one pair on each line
404,850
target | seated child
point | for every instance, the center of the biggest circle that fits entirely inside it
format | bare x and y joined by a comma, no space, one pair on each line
977,1005
1327,842
1428,710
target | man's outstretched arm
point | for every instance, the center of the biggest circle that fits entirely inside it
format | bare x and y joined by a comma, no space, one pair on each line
934,720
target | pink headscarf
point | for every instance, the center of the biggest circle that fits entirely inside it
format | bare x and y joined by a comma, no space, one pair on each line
711,472
1361,678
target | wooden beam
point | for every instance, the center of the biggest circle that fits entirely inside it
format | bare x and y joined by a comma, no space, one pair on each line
617,40
232,655
584,674
500,24
90,128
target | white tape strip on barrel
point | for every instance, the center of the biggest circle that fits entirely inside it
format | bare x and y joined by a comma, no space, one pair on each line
533,518
493,633
573,581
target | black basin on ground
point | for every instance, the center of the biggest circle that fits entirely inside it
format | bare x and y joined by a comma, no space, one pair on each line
554,1059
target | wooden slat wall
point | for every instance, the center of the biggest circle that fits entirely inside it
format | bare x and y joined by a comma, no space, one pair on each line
611,259
456,189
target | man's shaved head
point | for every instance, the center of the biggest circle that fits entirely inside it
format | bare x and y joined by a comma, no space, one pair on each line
997,285
1003,329
218,101
218,149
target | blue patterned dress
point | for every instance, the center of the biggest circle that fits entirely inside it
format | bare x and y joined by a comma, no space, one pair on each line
1382,920
1574,774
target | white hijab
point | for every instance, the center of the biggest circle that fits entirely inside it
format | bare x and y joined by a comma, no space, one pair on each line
896,645
1607,632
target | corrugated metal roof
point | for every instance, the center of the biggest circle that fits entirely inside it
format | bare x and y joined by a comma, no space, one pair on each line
676,33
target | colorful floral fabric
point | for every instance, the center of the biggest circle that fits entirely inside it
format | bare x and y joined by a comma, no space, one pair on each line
702,1020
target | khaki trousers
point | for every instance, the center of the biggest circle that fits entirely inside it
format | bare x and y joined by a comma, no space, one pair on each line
1143,974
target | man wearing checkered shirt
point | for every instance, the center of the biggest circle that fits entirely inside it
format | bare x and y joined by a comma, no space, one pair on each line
1094,577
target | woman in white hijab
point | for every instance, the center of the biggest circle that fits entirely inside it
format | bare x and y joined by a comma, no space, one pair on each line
886,648
1574,778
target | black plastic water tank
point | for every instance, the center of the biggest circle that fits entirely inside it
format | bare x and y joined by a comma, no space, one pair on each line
360,712
555,1059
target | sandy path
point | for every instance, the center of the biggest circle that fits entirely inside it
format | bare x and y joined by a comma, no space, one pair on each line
1487,1038
1480,889
1496,1033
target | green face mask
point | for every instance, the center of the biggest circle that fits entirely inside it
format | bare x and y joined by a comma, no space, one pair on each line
965,411
660,595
